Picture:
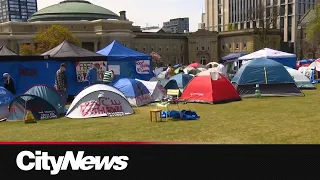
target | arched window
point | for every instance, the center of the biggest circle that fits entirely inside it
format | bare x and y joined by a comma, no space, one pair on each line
203,60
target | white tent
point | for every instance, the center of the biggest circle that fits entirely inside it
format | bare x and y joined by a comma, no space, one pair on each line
315,65
208,72
307,71
213,64
267,53
301,80
99,101
157,91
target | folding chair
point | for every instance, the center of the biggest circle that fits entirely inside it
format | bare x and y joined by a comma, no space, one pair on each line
173,98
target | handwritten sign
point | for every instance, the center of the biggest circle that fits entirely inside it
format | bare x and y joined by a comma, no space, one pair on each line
143,67
47,115
115,69
104,106
82,69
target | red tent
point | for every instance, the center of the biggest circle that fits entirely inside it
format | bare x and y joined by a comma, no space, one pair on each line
197,65
207,90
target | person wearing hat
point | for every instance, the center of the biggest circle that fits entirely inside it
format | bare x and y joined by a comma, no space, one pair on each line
61,82
92,75
8,83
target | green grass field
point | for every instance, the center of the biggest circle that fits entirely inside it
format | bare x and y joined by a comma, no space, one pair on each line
281,120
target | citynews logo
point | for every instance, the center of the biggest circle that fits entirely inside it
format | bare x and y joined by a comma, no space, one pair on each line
41,161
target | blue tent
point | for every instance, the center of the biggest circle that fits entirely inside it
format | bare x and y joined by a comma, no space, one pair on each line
233,56
40,108
50,95
177,66
271,76
132,64
135,91
5,99
182,80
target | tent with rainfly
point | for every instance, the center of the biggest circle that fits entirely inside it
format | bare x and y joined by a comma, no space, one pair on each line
5,99
210,88
157,91
135,91
182,80
99,100
43,101
301,80
271,76
284,58
126,62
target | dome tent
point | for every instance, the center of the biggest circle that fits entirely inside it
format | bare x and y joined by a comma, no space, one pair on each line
43,101
182,80
301,80
157,91
271,76
99,101
210,88
135,91
5,99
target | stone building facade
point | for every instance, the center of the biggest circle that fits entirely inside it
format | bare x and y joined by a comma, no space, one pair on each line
202,46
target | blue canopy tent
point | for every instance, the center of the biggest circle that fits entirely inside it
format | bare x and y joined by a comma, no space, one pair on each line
233,56
127,62
271,76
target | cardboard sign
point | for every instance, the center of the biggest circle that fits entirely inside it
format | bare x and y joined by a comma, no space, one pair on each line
143,67
83,67
115,69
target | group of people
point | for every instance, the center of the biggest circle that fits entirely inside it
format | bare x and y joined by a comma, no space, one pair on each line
61,80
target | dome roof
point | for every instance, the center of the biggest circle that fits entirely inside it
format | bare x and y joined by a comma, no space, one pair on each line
73,10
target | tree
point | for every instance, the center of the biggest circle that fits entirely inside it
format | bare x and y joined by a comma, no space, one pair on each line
311,47
313,27
264,20
48,39
156,58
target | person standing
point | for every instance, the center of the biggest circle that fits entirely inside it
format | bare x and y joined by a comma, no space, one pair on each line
9,83
169,72
92,75
222,69
61,82
108,77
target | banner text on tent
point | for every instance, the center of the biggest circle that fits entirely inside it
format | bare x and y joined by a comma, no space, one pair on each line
104,106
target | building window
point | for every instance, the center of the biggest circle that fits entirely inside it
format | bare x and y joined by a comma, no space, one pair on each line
223,46
160,49
152,48
202,48
230,46
197,48
144,49
237,45
244,44
181,47
203,60
167,48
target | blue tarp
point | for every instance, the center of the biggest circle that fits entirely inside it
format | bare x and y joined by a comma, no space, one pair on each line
26,74
262,71
233,56
182,80
126,58
131,88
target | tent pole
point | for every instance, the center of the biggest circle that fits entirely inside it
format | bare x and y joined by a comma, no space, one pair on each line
265,75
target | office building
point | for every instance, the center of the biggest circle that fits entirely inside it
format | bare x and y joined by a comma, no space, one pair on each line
219,14
178,25
17,10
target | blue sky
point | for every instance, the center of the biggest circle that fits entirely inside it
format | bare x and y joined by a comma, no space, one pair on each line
153,12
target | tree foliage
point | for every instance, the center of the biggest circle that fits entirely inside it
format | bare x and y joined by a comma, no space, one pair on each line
265,19
313,27
47,39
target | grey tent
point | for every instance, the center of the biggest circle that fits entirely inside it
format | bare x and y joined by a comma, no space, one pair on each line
5,51
67,49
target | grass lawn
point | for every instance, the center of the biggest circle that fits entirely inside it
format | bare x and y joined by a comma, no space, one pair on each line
268,120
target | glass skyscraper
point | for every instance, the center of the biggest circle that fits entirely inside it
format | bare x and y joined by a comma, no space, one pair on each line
17,10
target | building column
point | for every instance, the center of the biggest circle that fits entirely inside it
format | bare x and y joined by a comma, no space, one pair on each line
96,46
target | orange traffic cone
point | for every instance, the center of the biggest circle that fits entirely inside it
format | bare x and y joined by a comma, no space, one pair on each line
29,118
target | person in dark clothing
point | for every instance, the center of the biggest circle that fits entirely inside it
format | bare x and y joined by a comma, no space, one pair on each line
61,82
8,83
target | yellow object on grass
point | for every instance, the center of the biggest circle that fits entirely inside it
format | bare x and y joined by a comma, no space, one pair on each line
29,118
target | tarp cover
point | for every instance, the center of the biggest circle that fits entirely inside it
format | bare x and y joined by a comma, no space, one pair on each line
5,99
284,58
99,101
135,91
262,71
49,94
126,59
233,56
67,49
5,51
